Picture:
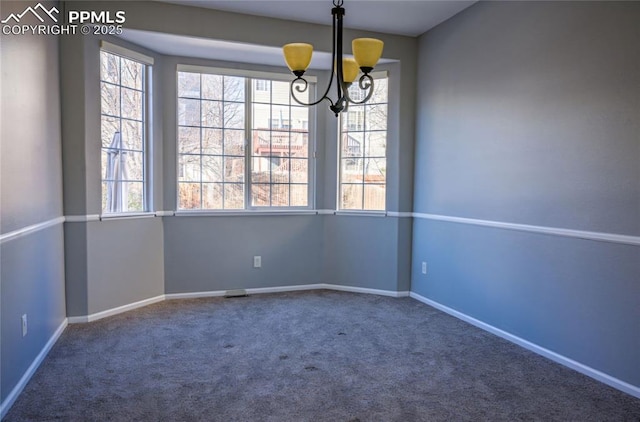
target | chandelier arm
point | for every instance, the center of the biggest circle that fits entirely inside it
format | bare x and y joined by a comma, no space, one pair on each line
365,83
302,89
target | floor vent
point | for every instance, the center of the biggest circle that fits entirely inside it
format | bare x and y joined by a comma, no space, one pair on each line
236,293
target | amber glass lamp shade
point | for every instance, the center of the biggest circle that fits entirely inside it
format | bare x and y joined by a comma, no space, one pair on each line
297,56
367,52
350,70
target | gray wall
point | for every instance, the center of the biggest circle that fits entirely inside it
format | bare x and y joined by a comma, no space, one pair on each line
113,262
528,113
31,266
216,253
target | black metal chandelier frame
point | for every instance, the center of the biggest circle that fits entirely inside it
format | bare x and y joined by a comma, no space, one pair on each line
365,83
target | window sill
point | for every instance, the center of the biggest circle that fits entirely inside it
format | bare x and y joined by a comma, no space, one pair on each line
127,215
243,213
361,213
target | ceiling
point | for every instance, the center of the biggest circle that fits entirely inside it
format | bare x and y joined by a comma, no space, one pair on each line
402,17
409,17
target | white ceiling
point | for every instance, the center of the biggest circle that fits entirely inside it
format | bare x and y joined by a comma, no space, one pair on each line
403,17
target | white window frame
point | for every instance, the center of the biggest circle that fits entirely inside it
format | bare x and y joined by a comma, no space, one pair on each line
376,75
147,62
250,75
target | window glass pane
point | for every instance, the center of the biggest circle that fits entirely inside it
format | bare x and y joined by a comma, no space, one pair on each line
110,99
261,143
380,89
375,170
299,195
261,91
376,144
234,88
299,171
135,196
261,114
280,118
351,196
109,127
234,142
211,168
131,104
280,170
212,113
353,144
261,169
212,87
189,168
188,112
279,195
188,140
135,166
234,115
189,196
299,144
260,195
234,169
212,141
374,197
132,74
352,170
233,196
132,135
376,117
212,195
299,119
109,67
280,92
279,143
188,85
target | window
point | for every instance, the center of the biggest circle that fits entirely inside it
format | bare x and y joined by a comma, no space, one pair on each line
123,118
243,143
363,143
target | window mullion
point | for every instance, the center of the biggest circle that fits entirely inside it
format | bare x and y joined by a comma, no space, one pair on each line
200,152
248,125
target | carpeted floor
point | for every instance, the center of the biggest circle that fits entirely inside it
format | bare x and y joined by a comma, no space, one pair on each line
304,356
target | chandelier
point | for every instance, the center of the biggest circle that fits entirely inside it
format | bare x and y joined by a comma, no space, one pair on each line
366,52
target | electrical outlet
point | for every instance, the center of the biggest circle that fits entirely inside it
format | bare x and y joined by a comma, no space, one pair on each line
424,267
24,325
257,261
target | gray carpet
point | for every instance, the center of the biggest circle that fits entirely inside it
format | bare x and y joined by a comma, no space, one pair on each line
304,356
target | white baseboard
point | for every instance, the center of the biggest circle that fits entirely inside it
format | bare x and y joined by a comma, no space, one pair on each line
115,311
219,293
563,360
378,292
13,395
280,289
